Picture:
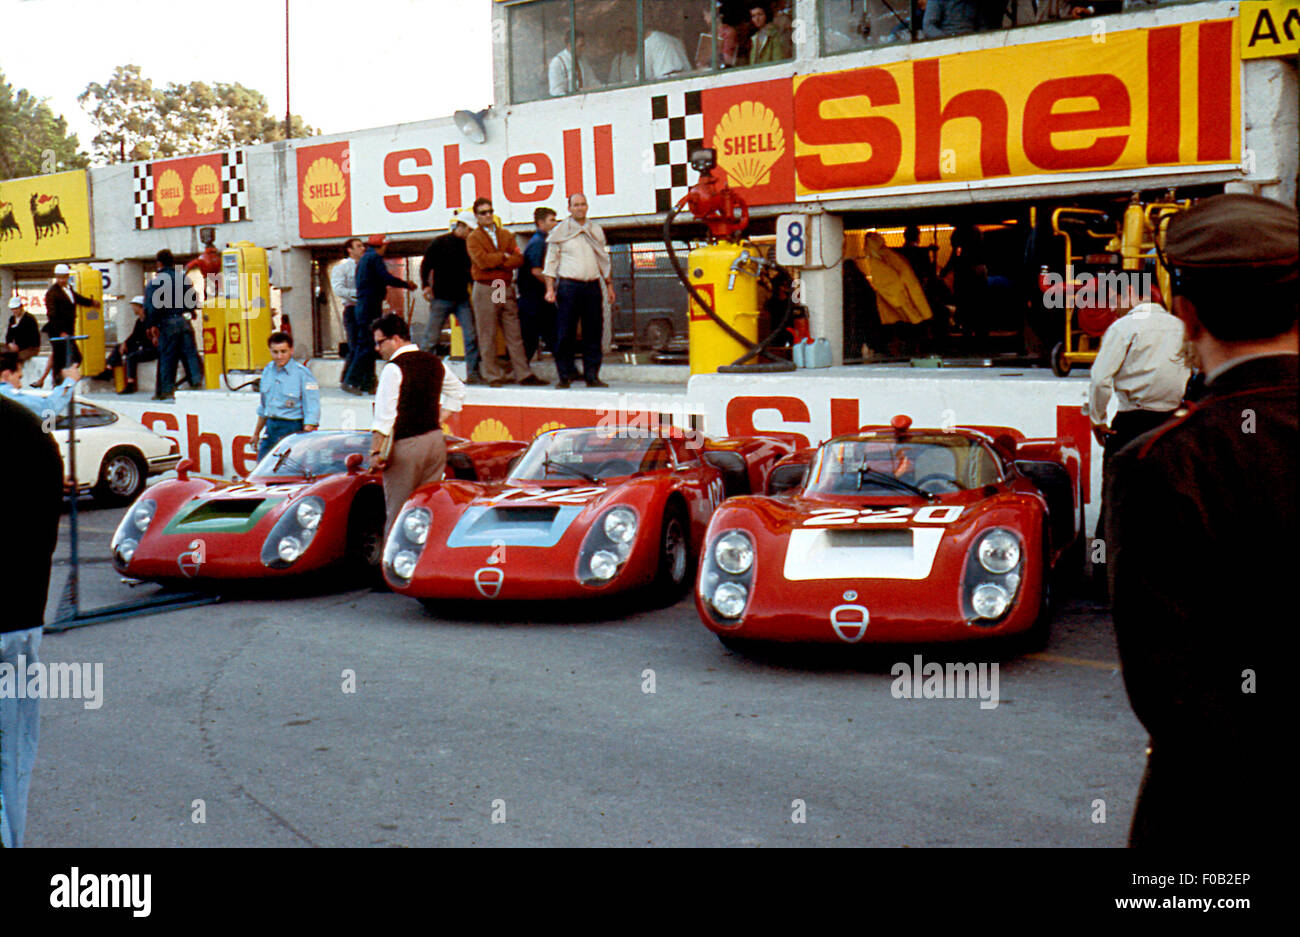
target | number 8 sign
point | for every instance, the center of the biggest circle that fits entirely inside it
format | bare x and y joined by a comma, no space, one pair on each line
792,240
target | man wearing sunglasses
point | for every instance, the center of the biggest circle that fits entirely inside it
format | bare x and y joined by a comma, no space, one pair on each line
494,257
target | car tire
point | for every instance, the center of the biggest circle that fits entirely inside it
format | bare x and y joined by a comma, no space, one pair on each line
673,576
658,334
1037,636
1060,366
365,543
122,476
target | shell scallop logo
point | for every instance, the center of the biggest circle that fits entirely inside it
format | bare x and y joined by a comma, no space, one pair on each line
323,190
547,427
169,193
204,188
489,430
749,141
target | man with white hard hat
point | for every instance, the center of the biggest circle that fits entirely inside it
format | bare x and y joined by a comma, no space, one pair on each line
61,302
23,337
137,347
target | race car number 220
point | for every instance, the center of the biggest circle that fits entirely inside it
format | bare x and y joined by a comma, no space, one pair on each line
930,514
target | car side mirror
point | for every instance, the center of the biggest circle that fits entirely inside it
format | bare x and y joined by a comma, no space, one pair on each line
353,463
1006,447
183,470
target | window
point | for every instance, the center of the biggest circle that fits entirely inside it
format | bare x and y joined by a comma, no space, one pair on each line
626,42
539,56
88,416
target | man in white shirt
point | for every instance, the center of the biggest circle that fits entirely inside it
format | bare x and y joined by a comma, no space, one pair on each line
577,266
1141,362
343,280
665,55
406,436
563,78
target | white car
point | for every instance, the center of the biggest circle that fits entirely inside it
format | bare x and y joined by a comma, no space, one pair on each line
115,454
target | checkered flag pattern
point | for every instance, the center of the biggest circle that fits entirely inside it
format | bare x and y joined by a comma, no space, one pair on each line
142,187
678,128
234,186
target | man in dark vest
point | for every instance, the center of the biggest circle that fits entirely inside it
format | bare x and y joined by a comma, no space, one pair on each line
416,394
1201,536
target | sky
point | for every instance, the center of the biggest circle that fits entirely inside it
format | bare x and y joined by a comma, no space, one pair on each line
353,63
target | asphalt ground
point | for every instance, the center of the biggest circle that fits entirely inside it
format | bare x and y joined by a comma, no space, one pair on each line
238,715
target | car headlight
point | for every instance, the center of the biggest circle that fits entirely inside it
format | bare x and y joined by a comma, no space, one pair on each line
620,525
404,564
729,599
415,525
143,513
604,564
126,550
734,552
990,600
289,548
999,551
308,514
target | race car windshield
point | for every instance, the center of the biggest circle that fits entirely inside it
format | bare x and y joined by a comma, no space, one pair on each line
931,465
592,455
311,455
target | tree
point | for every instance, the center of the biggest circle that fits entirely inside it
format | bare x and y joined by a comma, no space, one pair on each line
33,140
139,121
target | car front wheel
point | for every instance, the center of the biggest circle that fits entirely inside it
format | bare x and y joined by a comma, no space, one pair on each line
122,477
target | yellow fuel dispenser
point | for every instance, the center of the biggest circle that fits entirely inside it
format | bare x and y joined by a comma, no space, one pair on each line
726,272
89,282
237,323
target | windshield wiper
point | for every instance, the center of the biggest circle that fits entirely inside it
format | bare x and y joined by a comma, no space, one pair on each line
293,464
548,463
865,471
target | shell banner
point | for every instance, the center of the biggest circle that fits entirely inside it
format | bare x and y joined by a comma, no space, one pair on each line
1099,102
193,190
324,190
45,218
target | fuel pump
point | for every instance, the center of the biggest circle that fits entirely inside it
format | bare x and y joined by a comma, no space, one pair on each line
89,282
237,323
723,278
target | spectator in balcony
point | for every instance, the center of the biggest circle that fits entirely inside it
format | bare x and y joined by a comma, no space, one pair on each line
624,67
727,38
767,43
665,55
908,26
944,18
564,78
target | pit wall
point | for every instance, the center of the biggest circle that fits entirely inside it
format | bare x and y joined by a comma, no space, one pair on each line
213,427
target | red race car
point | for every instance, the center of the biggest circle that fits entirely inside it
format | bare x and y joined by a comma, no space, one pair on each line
585,512
895,534
309,505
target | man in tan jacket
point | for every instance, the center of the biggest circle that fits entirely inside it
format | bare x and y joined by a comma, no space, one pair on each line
493,257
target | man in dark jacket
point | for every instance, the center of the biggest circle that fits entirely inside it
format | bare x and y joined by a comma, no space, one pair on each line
137,347
169,299
1201,537
36,481
373,281
61,302
444,276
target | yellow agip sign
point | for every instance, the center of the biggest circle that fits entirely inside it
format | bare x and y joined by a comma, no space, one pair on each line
1269,28
44,218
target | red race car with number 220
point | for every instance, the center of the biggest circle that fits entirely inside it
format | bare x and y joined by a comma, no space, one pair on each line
895,534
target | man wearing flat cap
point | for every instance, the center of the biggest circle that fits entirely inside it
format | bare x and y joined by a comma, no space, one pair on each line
1200,531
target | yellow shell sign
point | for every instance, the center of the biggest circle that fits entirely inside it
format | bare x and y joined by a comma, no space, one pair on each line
749,140
169,193
323,190
45,218
205,188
